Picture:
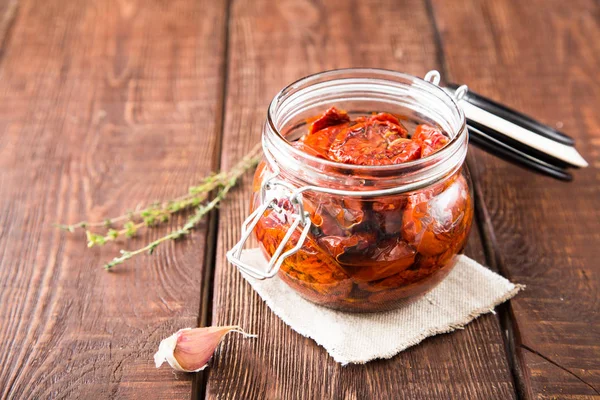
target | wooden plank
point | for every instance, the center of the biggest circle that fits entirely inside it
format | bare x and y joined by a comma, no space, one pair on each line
103,106
272,44
540,57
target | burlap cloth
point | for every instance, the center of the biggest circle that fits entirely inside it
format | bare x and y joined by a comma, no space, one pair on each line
467,292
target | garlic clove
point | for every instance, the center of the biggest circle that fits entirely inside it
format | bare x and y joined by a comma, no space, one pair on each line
189,350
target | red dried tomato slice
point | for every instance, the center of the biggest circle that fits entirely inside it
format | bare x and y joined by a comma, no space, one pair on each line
318,144
338,246
386,117
376,141
430,138
404,150
331,117
387,258
433,224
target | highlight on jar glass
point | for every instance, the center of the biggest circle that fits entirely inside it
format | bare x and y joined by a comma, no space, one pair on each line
362,199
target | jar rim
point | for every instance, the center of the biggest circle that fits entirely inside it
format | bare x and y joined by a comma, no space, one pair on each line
459,134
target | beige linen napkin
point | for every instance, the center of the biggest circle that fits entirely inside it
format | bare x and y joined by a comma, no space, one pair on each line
467,292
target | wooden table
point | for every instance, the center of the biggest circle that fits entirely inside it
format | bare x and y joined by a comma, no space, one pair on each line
105,105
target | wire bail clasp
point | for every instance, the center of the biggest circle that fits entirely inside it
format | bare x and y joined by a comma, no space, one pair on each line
433,76
299,217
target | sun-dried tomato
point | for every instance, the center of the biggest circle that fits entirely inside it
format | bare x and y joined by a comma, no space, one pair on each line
432,222
430,138
331,117
375,141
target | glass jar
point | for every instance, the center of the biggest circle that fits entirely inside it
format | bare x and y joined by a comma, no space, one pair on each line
353,237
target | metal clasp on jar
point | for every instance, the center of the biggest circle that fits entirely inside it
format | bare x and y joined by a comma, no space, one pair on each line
434,77
298,218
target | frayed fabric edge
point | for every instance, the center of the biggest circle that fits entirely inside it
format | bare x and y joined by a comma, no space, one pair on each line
460,324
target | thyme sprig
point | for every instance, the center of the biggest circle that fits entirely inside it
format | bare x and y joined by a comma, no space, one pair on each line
191,223
128,225
156,212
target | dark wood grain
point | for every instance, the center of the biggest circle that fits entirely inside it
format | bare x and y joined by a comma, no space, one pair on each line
104,106
272,44
542,57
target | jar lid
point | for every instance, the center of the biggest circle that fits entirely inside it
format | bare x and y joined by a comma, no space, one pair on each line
514,136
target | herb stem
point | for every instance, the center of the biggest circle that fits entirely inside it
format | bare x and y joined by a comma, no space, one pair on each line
158,213
191,223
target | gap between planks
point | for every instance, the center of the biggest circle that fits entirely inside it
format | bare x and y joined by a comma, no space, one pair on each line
200,379
486,232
